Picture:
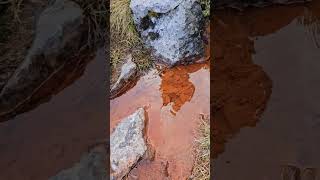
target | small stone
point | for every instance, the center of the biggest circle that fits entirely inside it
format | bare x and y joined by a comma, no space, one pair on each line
127,144
128,72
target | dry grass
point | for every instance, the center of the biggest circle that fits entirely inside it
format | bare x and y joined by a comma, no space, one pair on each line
14,6
95,12
122,25
201,170
125,38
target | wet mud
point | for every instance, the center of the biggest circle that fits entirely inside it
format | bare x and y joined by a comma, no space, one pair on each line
60,124
174,99
265,91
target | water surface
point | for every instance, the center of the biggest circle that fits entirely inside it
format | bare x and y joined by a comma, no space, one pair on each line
284,43
53,136
174,100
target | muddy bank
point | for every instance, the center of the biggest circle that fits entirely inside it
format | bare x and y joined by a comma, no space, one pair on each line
278,99
54,136
173,99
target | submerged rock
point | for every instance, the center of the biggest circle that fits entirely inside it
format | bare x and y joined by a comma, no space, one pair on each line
171,28
58,37
127,144
128,72
91,167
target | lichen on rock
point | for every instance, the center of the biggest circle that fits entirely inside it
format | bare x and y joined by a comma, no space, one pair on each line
127,144
171,28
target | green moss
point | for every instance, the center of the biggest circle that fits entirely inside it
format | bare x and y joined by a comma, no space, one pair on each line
153,14
205,4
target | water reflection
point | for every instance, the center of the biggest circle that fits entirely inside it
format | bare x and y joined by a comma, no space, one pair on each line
275,38
59,131
240,88
57,82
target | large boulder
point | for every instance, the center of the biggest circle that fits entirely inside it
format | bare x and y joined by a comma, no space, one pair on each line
127,144
59,36
171,28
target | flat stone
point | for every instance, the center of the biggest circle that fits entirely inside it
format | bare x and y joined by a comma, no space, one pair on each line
127,144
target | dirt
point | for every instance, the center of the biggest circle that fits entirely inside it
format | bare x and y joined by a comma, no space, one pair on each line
173,98
264,86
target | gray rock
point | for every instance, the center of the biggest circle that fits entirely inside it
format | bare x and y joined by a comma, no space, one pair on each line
127,144
171,28
58,37
91,167
128,72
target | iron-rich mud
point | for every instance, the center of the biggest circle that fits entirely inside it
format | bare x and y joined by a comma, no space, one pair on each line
63,127
266,77
174,100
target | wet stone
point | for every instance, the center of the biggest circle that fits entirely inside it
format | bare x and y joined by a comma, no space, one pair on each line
128,72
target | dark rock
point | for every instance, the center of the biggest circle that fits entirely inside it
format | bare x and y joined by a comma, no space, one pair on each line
91,167
58,37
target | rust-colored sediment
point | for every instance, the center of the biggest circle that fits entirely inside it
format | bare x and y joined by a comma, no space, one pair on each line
173,100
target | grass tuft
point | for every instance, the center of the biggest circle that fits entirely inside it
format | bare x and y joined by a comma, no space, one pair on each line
201,170
125,38
122,25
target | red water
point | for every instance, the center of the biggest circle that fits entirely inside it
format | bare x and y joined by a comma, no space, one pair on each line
174,100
